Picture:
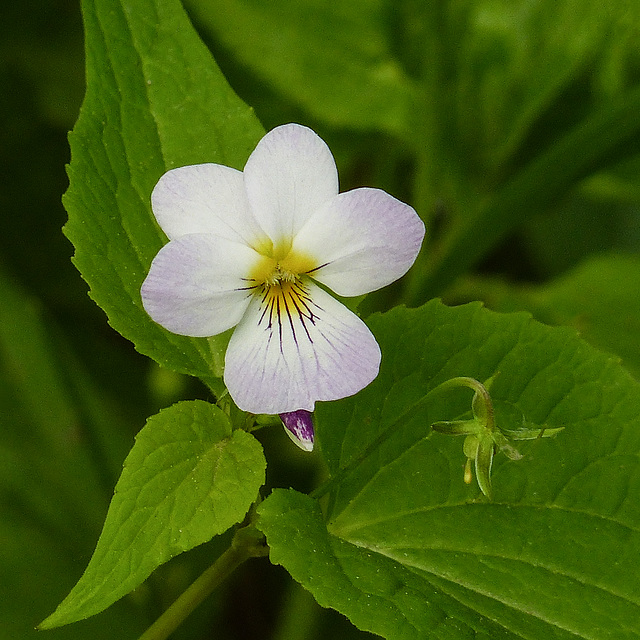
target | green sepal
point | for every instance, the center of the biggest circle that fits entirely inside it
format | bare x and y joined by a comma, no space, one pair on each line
531,434
456,427
484,460
485,433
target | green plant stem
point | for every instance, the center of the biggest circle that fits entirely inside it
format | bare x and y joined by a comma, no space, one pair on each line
242,548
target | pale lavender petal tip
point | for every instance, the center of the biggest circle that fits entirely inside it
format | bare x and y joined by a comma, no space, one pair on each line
299,427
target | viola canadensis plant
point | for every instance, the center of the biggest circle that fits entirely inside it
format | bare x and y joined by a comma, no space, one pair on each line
255,250
231,256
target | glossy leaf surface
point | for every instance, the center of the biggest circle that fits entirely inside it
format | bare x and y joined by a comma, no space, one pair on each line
404,547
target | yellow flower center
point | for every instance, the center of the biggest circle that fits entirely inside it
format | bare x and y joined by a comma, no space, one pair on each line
277,279
272,270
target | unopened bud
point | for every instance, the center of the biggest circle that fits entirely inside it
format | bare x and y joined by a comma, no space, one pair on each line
299,427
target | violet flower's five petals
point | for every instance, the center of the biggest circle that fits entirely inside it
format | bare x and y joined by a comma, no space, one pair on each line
243,250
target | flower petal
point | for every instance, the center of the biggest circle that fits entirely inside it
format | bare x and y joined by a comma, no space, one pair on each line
197,285
205,198
364,239
290,174
283,357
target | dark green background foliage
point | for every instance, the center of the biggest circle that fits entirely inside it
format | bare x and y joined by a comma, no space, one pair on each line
513,127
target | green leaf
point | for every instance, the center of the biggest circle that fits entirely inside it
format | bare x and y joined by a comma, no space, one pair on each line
188,478
333,59
609,135
374,592
599,298
155,100
406,549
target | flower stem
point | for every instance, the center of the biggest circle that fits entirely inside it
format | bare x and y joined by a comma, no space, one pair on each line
242,548
463,381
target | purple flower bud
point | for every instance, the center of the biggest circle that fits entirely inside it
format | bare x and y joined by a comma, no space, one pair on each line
299,427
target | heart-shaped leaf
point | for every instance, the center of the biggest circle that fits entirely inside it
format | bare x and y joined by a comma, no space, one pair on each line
187,479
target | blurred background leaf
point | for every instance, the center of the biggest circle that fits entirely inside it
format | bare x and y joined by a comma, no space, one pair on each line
61,447
334,60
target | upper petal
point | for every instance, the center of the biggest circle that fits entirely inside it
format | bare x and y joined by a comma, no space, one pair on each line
290,174
363,239
285,357
197,285
204,198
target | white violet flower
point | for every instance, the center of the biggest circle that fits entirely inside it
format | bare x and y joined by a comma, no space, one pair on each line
246,250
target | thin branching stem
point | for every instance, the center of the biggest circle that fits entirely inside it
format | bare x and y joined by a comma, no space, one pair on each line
242,548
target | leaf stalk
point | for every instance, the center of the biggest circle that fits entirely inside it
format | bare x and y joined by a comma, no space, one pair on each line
247,543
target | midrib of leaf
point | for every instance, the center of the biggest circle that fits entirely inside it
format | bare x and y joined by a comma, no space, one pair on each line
396,554
109,129
431,582
143,195
555,622
453,589
345,532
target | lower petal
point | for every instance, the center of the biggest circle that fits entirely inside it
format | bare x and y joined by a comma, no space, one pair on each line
196,287
307,349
